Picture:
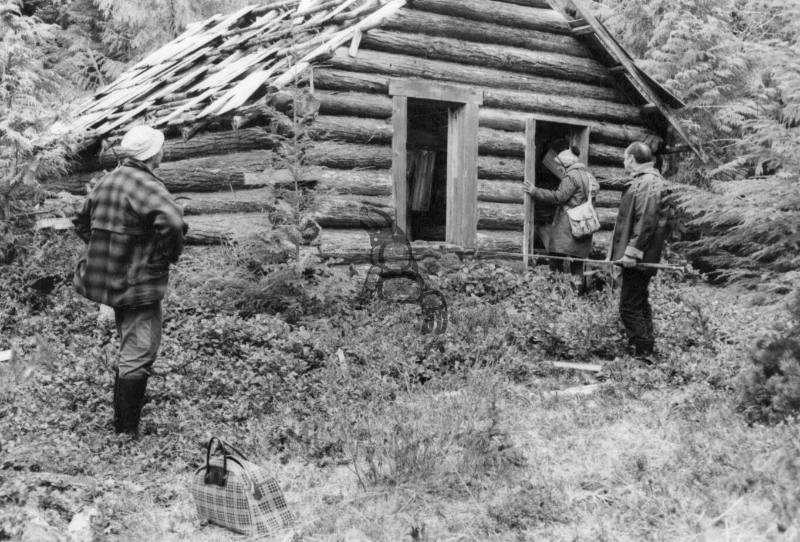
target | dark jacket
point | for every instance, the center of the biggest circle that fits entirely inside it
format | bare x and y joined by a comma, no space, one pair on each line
570,193
642,222
134,230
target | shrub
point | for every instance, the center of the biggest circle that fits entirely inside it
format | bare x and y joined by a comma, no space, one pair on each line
770,389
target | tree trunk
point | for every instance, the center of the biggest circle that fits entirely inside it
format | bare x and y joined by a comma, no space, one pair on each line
490,56
432,24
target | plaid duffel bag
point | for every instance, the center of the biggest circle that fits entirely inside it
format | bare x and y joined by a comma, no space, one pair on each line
239,495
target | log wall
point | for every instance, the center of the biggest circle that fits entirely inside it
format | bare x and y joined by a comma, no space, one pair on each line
519,53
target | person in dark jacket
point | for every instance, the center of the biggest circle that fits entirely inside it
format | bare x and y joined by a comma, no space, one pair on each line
133,230
639,235
574,189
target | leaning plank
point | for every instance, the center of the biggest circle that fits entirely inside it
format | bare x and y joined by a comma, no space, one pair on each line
372,63
6,355
588,367
513,59
546,20
433,24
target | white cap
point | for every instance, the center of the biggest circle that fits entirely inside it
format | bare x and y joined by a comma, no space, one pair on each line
141,142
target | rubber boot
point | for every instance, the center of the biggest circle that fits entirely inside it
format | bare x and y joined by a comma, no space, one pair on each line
130,400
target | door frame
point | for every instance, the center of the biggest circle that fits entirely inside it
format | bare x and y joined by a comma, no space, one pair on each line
462,154
579,137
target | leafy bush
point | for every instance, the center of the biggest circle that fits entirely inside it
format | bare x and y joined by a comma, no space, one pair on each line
770,389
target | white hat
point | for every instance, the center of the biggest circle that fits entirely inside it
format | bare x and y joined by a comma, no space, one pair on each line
141,142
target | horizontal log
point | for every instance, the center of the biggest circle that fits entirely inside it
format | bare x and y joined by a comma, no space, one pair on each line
204,144
513,59
402,65
513,169
355,104
546,20
493,241
434,24
509,216
260,200
352,246
247,169
606,154
503,109
351,129
560,105
345,212
217,229
356,182
341,212
512,192
601,132
334,79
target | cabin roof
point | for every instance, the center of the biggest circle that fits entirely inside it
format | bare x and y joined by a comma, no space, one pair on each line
224,64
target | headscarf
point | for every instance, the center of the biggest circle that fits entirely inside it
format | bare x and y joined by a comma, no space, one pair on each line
141,143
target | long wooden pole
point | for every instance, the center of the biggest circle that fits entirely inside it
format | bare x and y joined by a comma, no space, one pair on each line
543,256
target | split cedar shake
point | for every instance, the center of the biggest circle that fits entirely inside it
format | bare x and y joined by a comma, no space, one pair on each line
459,78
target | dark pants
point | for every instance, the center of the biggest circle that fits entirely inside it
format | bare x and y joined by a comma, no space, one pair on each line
567,266
635,311
139,330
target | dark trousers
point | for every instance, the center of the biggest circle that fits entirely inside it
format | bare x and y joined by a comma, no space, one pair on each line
139,331
635,311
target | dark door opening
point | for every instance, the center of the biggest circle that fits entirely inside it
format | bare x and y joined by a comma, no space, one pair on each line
546,134
426,171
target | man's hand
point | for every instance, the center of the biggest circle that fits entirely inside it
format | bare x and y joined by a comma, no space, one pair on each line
627,262
528,186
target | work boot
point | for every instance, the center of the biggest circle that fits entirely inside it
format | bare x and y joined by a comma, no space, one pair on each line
128,407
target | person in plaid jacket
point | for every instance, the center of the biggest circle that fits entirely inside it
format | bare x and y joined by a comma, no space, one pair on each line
133,230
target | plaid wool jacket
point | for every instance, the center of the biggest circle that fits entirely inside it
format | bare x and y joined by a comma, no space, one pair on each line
134,230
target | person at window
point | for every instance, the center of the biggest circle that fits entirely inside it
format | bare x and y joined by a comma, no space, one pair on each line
133,230
576,184
639,233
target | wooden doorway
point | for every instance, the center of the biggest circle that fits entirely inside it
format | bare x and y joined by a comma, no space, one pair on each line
445,118
539,133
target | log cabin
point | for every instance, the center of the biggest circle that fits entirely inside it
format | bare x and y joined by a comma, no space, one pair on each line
433,111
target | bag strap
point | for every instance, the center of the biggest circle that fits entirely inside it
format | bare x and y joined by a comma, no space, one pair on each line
214,476
230,447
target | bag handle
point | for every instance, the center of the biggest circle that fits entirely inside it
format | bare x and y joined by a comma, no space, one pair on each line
213,473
